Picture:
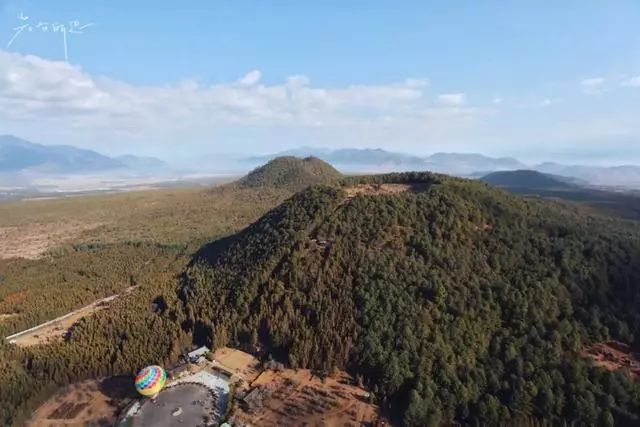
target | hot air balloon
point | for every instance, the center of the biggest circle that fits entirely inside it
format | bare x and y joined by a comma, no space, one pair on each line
150,381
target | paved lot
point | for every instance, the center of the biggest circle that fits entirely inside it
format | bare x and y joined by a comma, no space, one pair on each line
181,405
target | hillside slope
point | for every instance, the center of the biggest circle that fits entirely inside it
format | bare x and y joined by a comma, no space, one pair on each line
291,173
527,179
452,300
146,239
532,183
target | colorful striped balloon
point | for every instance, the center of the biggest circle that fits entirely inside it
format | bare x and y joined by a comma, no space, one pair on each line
150,380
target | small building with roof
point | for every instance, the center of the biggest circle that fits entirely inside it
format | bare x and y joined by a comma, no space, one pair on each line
195,355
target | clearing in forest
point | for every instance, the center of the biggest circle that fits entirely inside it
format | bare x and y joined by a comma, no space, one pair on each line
6,316
32,241
93,402
614,355
298,397
238,362
56,329
383,189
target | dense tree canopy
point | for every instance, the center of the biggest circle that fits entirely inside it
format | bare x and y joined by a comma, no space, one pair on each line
452,300
141,328
458,302
291,173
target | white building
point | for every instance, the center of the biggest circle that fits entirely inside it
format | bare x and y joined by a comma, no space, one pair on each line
197,353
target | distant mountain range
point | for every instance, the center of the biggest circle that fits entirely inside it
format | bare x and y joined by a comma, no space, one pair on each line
378,159
141,162
626,175
460,164
21,158
352,158
468,164
19,155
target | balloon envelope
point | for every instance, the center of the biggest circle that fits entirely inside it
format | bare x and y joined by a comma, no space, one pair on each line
150,380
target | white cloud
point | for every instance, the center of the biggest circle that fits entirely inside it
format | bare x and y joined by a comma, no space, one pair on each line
251,78
77,107
38,89
452,99
497,100
593,85
32,88
634,81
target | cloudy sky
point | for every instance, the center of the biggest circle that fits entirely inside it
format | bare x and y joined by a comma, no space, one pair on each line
537,80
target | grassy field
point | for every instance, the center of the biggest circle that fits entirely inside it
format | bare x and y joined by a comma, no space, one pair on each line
167,215
57,255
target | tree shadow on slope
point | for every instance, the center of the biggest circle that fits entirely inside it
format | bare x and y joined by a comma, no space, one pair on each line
210,253
118,387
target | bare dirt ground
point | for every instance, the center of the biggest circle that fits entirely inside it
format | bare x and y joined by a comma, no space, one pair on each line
300,398
288,397
53,332
381,189
34,240
238,362
6,316
57,329
614,355
89,403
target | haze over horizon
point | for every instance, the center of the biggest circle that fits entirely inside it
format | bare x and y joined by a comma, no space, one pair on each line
220,78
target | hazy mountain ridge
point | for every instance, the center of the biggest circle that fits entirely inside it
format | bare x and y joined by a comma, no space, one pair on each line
376,158
461,164
141,162
19,155
349,157
466,164
623,175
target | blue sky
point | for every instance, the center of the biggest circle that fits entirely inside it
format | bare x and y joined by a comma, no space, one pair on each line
538,79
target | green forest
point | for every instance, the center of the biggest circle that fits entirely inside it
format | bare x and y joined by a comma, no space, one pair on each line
452,301
291,173
459,302
149,246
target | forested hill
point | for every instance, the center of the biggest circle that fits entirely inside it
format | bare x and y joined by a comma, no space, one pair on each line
291,173
528,179
532,183
451,299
